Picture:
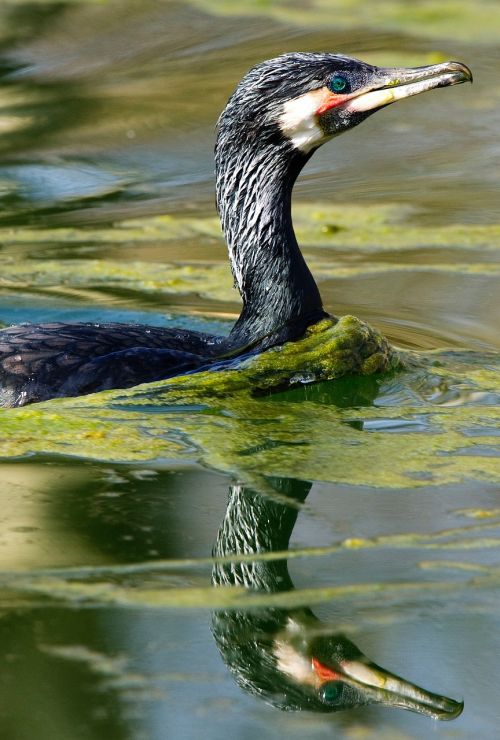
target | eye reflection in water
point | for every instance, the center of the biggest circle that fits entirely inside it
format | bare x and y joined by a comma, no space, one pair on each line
286,656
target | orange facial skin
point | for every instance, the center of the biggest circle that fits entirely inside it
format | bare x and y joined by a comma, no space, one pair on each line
323,672
330,100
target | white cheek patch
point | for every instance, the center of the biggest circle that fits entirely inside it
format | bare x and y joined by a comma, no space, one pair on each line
299,122
296,666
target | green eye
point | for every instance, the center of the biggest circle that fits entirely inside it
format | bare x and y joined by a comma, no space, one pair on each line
338,84
331,692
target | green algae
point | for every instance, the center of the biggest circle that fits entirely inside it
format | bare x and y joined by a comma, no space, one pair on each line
444,415
59,276
372,225
452,539
325,231
444,406
93,279
479,513
146,596
492,570
384,227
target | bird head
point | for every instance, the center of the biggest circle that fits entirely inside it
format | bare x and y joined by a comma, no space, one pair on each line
333,674
307,98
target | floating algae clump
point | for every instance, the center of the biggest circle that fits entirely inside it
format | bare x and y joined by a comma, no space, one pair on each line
433,423
328,350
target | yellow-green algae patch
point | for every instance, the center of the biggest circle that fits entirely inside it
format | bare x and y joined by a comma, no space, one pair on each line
490,570
431,423
210,281
381,238
148,596
384,226
479,513
453,539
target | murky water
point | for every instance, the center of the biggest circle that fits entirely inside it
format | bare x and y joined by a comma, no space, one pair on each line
111,504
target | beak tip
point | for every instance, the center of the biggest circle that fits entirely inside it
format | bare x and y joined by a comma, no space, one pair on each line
464,70
455,711
445,709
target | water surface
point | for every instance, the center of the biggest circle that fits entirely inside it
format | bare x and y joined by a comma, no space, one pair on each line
111,504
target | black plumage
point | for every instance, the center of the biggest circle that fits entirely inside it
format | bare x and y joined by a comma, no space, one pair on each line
40,361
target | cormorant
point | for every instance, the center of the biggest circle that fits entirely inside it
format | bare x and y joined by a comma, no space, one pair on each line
280,113
287,656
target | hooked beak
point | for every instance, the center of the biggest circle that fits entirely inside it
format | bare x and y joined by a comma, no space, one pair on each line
379,686
394,84
391,84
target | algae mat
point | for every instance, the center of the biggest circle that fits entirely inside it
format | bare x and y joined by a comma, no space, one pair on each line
433,422
341,242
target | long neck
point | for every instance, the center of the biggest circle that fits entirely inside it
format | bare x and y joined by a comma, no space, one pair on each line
256,523
254,181
253,524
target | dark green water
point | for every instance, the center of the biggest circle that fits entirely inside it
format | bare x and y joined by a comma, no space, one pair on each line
106,122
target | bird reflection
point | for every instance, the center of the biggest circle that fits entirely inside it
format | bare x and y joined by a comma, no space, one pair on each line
287,656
